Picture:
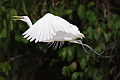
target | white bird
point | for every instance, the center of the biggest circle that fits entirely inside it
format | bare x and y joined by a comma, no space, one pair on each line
51,28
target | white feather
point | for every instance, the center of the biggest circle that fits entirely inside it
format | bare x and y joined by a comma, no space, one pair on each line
52,28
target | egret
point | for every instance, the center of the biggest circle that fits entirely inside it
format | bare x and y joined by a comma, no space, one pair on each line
51,28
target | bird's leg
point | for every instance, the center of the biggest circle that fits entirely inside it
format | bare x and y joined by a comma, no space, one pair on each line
99,54
80,42
87,46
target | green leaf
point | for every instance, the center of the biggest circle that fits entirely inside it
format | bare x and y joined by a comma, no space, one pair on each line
4,23
99,78
81,74
110,24
8,67
99,47
66,71
106,37
24,7
92,3
68,11
112,70
117,24
1,78
81,11
99,30
83,63
90,71
13,12
91,17
75,75
87,58
4,33
1,2
5,66
69,51
18,37
73,66
89,31
96,35
43,48
69,58
11,25
63,53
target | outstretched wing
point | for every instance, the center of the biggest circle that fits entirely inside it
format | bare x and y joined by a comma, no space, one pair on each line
47,27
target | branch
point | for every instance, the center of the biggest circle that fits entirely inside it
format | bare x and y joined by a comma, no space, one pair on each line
118,75
14,58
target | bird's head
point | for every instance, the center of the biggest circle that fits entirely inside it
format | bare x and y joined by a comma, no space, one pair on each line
22,18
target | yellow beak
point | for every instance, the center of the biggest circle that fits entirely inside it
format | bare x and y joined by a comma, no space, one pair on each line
19,17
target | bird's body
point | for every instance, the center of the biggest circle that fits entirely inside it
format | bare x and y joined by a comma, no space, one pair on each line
51,28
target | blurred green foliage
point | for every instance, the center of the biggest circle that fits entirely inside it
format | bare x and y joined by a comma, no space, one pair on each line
99,20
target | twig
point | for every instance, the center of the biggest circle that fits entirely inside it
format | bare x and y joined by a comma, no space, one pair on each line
118,75
13,58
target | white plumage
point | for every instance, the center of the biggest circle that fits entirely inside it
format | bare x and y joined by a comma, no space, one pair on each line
51,28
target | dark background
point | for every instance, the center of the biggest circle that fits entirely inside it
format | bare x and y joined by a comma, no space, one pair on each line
98,20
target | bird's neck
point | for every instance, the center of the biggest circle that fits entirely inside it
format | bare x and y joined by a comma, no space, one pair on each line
29,23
